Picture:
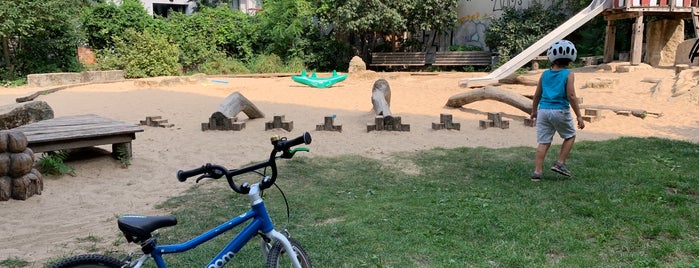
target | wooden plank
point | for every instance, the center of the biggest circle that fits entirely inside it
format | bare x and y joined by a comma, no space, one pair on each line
39,147
75,127
47,137
79,131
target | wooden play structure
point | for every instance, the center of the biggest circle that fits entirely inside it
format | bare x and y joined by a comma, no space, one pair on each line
638,9
612,10
79,131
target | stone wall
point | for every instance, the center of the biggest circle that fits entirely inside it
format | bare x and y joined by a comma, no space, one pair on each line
57,79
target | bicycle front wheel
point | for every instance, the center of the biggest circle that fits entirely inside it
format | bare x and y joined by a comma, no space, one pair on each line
277,255
89,261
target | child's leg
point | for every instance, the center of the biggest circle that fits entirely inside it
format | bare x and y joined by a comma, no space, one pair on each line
566,147
539,157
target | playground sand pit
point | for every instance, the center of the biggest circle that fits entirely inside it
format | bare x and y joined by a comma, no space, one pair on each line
78,212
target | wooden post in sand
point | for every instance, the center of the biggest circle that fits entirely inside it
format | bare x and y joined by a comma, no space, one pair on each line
381,99
225,116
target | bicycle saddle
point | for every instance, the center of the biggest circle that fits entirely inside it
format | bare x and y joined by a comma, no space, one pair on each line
137,228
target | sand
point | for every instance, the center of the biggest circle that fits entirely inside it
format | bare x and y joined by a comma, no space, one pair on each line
75,213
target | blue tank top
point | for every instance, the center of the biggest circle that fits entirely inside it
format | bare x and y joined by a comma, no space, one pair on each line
553,89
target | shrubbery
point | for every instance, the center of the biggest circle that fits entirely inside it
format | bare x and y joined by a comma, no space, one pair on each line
517,29
142,54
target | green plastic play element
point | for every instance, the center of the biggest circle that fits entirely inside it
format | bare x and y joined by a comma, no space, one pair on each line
319,82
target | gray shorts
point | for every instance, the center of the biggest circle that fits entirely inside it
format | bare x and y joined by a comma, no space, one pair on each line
550,121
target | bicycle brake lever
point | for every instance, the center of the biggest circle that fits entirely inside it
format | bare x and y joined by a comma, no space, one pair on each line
201,178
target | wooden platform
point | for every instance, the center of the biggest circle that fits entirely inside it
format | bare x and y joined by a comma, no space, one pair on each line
79,131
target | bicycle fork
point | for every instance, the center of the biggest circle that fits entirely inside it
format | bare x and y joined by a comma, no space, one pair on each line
267,227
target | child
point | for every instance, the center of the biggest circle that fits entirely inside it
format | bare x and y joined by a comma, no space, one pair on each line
555,95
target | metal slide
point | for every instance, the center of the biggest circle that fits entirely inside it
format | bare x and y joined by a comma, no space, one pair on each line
591,11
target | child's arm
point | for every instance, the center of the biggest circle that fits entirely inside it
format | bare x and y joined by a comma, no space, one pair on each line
573,99
536,99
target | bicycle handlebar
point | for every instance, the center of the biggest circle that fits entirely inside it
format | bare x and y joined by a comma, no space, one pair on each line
217,171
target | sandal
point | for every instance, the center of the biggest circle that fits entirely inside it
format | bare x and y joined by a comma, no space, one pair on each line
536,176
560,169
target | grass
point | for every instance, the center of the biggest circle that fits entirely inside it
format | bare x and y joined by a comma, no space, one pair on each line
632,202
13,263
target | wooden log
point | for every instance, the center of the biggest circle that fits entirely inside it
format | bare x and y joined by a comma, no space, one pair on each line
381,98
234,104
519,79
20,164
491,93
22,188
640,113
5,188
17,141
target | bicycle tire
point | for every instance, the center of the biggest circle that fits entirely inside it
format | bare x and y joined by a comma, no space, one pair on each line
276,257
89,261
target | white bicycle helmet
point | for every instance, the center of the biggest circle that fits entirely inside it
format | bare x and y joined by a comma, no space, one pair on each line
562,49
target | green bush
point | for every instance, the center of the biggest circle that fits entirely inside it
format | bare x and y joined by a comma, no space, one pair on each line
465,48
517,29
326,53
224,65
52,163
103,21
142,54
204,35
294,65
267,64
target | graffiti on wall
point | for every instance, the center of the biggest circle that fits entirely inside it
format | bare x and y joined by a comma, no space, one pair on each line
475,16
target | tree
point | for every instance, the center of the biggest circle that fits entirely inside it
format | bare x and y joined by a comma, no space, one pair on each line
517,29
367,21
283,25
104,21
38,36
205,34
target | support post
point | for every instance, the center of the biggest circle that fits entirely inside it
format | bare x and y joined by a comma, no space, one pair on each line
637,41
609,42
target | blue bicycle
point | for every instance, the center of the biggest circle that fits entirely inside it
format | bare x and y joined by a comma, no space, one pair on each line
139,229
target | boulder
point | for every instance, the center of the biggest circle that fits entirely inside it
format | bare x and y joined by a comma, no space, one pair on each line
356,65
664,36
18,114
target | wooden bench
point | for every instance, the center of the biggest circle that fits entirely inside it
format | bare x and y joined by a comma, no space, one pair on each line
463,58
535,61
404,59
591,60
80,131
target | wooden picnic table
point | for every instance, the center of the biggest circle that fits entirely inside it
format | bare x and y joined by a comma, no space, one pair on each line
80,131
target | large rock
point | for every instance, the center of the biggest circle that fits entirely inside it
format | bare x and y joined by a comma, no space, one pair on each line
663,37
18,114
682,53
356,65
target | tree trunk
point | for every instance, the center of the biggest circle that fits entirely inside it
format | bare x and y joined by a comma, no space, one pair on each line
381,98
491,93
6,58
234,104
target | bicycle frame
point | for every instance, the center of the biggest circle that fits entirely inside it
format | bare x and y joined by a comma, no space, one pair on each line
260,221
